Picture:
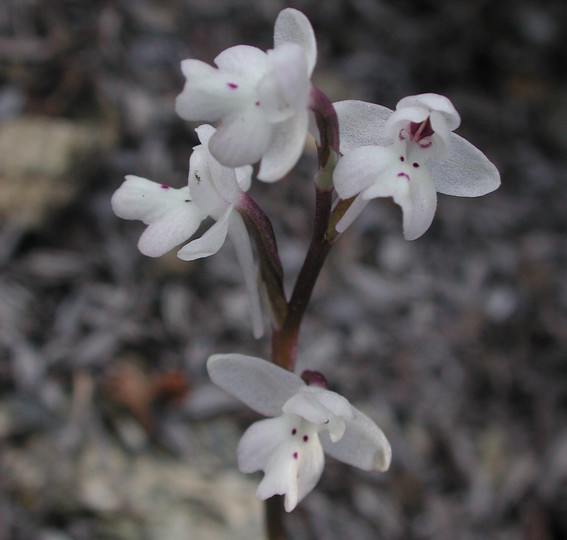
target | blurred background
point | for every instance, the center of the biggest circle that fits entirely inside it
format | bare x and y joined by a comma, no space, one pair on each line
455,343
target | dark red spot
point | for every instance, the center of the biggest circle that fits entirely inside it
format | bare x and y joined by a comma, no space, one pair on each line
402,158
293,431
404,175
257,104
163,186
295,455
232,86
416,165
305,438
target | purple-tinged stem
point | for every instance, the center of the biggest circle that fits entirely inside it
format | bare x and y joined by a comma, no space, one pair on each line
284,339
328,144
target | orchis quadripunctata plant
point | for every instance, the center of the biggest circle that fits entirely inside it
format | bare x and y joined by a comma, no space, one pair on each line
261,99
174,215
409,155
263,103
307,421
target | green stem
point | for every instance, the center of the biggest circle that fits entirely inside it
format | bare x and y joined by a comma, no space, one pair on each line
338,212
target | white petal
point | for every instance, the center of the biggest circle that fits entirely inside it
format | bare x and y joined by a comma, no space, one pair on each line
434,102
280,478
223,179
261,385
442,135
239,236
363,444
320,406
293,468
361,124
413,190
466,172
260,440
139,198
309,472
360,168
284,91
209,94
285,148
244,176
209,243
203,189
170,214
242,138
226,181
205,132
174,228
246,62
418,215
292,26
354,210
402,117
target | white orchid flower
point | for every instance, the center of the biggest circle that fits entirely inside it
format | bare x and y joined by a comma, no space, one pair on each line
260,98
408,154
174,215
169,213
308,421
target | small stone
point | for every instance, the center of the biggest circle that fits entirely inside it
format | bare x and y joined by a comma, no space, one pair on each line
41,163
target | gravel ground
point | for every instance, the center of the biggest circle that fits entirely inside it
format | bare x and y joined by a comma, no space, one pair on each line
455,343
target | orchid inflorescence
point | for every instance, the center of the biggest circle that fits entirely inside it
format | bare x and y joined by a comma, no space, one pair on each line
264,105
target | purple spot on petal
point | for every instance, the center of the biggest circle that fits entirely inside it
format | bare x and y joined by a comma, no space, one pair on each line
163,186
257,104
402,158
293,431
404,175
295,455
305,438
232,86
416,165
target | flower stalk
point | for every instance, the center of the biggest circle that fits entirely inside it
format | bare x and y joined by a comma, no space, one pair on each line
284,339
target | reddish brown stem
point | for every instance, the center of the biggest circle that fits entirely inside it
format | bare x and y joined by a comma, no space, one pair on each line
284,339
274,518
